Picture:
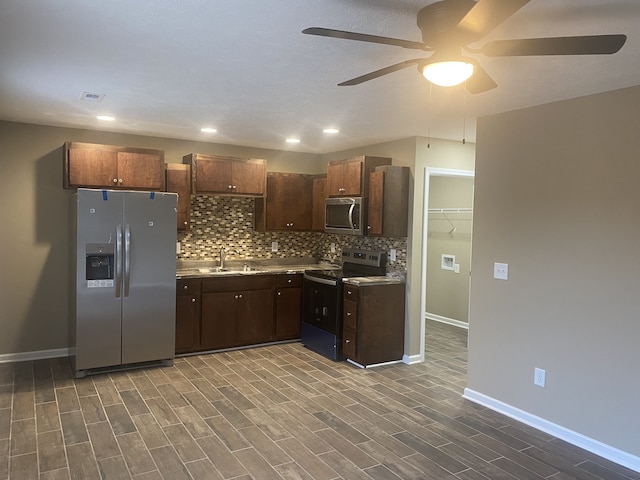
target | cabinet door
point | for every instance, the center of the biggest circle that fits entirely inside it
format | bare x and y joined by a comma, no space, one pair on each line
352,180
376,198
91,168
255,316
140,170
179,181
335,174
213,176
288,202
187,323
218,324
288,311
248,177
319,195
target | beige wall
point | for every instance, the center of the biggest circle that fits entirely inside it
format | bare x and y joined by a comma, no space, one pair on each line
448,291
34,217
557,197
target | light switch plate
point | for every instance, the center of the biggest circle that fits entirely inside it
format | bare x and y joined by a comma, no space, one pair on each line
392,255
501,271
274,246
332,247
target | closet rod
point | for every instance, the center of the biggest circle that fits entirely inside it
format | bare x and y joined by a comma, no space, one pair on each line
450,210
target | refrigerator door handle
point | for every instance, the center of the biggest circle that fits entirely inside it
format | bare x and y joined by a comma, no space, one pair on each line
118,260
127,259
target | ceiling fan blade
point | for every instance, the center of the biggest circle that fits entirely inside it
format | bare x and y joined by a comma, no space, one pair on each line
584,45
363,37
383,71
480,81
488,14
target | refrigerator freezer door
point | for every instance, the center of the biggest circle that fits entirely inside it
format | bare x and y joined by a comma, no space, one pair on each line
97,304
148,299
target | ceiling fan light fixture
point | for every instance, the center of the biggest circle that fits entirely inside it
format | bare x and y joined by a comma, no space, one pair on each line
448,73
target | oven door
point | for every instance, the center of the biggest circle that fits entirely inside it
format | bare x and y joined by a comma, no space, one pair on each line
321,303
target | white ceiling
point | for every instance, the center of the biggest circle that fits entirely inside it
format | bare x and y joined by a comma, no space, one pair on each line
169,67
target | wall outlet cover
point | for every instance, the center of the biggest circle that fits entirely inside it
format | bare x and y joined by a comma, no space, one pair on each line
501,271
274,246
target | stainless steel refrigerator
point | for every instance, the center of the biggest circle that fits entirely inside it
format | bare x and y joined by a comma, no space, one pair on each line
123,279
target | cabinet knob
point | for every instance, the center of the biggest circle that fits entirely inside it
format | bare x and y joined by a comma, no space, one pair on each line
347,341
368,227
119,180
230,187
348,314
348,292
185,287
240,296
279,293
289,281
193,300
235,296
186,223
115,180
235,188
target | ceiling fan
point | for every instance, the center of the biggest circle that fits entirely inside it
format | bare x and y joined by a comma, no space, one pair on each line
449,26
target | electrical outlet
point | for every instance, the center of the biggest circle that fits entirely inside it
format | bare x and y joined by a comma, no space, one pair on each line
501,271
539,377
392,255
274,246
332,247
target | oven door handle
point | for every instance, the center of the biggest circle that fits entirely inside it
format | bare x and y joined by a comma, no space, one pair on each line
324,281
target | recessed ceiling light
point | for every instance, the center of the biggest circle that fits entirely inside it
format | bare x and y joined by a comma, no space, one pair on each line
331,130
208,130
106,118
293,140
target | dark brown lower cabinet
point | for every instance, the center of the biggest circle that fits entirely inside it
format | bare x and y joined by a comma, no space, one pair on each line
187,315
288,306
373,328
215,313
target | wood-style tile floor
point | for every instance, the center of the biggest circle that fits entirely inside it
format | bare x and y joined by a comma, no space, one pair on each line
269,413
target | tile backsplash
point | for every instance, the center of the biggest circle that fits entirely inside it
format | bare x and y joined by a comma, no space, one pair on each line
218,221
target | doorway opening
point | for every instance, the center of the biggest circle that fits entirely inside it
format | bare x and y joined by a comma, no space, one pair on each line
447,261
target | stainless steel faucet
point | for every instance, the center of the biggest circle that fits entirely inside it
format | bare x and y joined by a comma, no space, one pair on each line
223,255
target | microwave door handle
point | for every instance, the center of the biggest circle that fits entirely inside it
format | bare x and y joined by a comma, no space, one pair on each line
118,260
127,259
353,205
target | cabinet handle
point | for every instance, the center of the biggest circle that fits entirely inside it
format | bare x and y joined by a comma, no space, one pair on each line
186,223
348,314
240,296
348,292
119,180
235,188
235,296
229,187
368,227
115,180
186,287
289,281
279,293
193,300
347,341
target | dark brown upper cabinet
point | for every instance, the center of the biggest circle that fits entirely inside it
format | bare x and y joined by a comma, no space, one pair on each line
107,166
214,174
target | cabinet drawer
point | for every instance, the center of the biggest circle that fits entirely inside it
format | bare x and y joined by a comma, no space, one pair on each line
350,314
288,280
351,293
349,343
190,286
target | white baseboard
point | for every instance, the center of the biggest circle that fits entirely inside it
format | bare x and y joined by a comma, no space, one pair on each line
450,321
594,446
36,355
411,359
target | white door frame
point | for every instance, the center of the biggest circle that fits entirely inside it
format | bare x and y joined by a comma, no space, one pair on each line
428,173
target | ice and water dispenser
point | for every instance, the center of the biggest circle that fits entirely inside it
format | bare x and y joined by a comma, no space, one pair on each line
100,264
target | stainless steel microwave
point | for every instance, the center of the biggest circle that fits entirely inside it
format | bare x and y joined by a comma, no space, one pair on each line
343,215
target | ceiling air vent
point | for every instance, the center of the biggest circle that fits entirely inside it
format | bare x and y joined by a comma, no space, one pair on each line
92,97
